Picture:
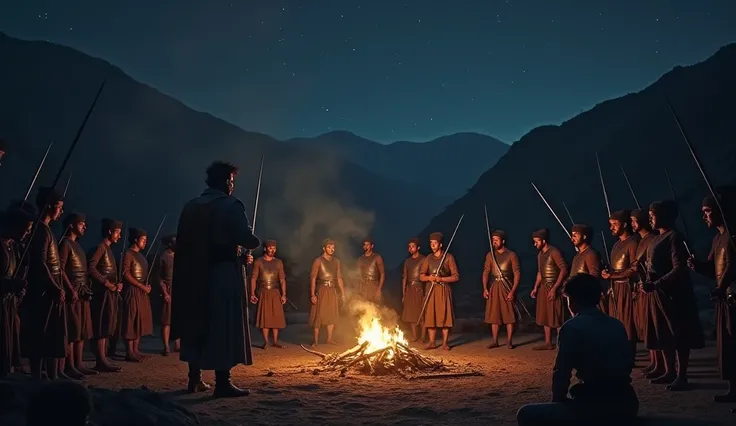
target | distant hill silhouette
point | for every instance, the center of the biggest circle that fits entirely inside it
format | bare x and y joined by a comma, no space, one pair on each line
463,156
636,131
143,155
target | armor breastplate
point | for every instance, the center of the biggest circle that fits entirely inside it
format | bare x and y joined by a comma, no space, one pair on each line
76,264
11,254
139,267
412,269
327,270
578,265
548,269
52,260
268,274
107,265
368,267
721,246
620,256
434,263
502,267
659,257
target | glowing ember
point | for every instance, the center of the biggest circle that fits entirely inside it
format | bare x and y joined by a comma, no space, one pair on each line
380,337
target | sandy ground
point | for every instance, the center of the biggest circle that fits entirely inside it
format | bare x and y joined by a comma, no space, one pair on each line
511,379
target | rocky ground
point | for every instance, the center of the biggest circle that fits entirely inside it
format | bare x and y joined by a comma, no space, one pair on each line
283,395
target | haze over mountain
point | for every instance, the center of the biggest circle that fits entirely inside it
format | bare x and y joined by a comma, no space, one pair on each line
462,158
143,154
636,131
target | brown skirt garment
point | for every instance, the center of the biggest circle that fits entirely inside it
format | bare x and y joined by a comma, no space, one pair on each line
621,307
726,339
137,315
43,328
327,310
413,301
672,322
368,291
640,309
549,313
105,307
79,320
439,312
498,309
165,310
270,310
8,320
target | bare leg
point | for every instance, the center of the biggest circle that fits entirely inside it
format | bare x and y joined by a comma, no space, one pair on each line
683,361
510,336
130,354
67,366
432,337
494,335
669,365
659,366
177,345
413,332
102,364
423,332
276,343
165,337
315,338
445,338
78,350
330,329
264,331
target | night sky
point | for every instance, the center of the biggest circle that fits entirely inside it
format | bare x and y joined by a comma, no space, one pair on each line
386,70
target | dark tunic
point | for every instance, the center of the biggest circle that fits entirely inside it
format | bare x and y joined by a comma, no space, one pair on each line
165,274
79,315
502,274
11,290
371,270
105,303
327,310
588,261
43,325
721,266
137,316
414,291
621,304
552,269
672,312
639,267
440,311
268,275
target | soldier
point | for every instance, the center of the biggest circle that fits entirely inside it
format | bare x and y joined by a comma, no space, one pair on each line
106,289
587,260
623,257
75,277
372,272
721,266
268,290
165,273
412,289
16,226
43,333
673,324
439,311
137,315
208,288
551,273
325,275
503,265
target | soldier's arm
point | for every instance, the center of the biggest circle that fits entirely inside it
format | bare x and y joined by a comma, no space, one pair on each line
516,267
678,257
452,266
64,250
313,278
706,267
424,275
486,271
340,282
593,262
404,274
564,270
381,271
42,247
94,260
164,265
254,276
282,278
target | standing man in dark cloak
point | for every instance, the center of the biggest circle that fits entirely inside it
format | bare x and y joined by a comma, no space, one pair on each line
43,332
640,225
623,257
137,314
75,277
587,260
412,289
268,279
372,272
106,290
208,288
673,325
324,279
440,311
15,227
721,266
504,268
551,273
165,274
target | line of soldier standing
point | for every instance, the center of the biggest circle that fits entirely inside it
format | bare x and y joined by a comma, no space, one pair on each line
56,297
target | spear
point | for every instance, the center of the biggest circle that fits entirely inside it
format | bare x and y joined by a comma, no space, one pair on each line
702,172
572,221
155,237
552,210
68,181
38,170
636,201
603,185
442,261
679,212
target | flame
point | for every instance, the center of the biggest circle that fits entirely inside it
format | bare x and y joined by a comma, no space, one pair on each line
379,337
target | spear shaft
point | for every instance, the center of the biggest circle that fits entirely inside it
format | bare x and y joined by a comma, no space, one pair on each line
38,170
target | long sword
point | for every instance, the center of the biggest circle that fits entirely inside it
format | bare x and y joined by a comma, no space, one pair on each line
155,237
603,185
628,183
702,172
38,170
679,212
569,215
552,211
442,261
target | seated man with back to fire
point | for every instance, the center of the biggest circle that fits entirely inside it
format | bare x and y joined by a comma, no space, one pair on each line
597,348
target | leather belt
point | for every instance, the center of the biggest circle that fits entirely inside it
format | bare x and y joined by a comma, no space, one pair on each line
370,278
326,283
267,286
416,283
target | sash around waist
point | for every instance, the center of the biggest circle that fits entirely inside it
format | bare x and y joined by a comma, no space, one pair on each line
369,278
326,283
269,286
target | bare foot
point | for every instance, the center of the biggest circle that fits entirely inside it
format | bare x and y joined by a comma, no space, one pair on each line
430,346
663,380
493,345
277,345
445,347
510,345
679,384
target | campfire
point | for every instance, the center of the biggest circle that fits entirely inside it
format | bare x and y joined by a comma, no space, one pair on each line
382,351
